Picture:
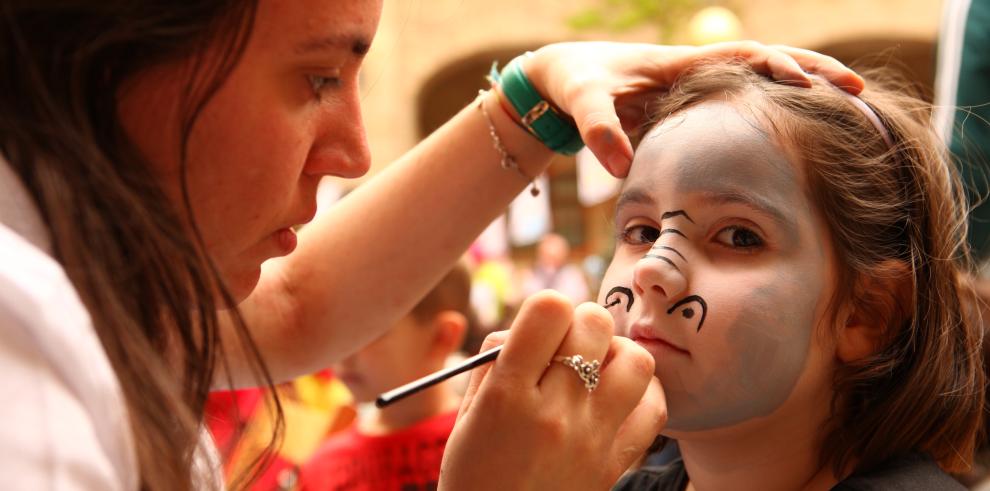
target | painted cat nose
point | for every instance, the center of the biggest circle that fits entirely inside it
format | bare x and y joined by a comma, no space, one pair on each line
657,278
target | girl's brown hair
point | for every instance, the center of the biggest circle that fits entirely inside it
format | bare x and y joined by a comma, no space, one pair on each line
144,278
896,214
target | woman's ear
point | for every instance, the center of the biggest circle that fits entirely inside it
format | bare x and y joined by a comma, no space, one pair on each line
882,300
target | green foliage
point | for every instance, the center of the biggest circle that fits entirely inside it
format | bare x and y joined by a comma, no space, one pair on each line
622,15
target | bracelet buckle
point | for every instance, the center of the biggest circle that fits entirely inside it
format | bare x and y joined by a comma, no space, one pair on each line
536,112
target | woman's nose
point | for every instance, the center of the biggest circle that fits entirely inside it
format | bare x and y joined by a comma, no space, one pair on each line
341,147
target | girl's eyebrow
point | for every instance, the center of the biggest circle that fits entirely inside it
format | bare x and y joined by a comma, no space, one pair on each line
754,202
726,196
634,196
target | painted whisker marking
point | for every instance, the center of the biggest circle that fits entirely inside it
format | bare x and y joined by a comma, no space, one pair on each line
621,290
668,261
688,312
671,249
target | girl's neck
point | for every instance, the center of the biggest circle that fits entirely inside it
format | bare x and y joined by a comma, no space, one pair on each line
779,456
764,465
427,404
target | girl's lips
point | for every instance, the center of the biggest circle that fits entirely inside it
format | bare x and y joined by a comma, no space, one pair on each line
653,342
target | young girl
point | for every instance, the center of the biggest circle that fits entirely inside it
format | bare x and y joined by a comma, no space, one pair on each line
793,262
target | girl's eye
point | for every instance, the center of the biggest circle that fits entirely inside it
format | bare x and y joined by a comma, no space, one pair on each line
640,234
320,83
739,238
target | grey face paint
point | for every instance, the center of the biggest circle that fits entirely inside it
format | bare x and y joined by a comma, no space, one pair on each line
769,341
755,344
727,156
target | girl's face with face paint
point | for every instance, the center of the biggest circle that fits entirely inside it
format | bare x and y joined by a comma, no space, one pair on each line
730,269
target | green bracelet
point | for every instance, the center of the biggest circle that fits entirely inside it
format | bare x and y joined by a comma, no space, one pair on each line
538,116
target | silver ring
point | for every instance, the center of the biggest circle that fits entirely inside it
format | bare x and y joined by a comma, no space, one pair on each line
589,371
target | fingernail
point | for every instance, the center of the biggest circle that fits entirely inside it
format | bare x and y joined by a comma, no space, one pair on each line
617,162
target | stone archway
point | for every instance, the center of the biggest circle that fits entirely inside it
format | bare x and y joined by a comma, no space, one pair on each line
456,84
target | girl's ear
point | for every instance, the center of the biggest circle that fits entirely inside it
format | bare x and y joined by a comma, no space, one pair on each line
882,301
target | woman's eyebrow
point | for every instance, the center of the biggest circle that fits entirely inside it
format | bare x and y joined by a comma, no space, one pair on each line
355,43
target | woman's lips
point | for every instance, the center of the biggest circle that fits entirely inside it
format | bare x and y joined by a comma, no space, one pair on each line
653,342
287,240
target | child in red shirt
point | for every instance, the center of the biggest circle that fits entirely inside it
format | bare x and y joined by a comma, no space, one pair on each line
399,447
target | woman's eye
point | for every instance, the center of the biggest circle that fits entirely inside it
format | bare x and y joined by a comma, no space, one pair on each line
739,238
640,234
320,83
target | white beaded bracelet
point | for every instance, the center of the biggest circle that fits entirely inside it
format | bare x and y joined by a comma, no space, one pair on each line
508,161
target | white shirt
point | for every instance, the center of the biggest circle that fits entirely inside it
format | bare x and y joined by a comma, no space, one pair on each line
63,419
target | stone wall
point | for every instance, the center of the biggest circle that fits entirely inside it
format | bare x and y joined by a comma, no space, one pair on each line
419,39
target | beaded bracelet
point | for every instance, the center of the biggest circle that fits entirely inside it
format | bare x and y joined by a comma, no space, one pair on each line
508,162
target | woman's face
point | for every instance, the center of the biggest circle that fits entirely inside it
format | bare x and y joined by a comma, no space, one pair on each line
729,267
287,115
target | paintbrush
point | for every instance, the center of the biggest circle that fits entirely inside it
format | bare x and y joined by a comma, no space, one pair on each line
436,377
475,361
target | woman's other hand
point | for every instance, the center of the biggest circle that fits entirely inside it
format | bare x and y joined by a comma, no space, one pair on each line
604,86
528,422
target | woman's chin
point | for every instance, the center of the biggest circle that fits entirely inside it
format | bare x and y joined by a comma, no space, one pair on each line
241,283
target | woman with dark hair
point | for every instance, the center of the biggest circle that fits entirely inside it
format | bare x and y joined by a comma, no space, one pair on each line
156,153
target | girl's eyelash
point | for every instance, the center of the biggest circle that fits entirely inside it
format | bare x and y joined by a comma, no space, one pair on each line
756,242
319,83
626,235
739,238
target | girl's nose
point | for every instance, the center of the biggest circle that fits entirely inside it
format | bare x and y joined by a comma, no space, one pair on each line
657,278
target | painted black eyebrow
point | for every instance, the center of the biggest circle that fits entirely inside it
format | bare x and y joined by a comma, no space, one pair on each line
676,213
357,44
671,249
668,261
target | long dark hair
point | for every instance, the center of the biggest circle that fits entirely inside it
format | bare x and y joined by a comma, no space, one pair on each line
150,289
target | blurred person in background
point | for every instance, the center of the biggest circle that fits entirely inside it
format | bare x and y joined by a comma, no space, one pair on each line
313,406
399,446
553,270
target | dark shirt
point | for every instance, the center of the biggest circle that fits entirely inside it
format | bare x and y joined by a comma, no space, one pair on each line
911,473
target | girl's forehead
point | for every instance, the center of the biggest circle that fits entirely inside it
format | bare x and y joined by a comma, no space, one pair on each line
713,147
